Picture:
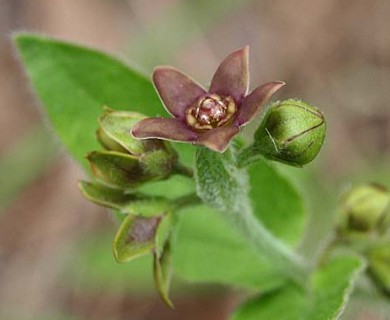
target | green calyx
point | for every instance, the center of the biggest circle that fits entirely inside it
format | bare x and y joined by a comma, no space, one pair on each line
138,236
364,209
114,133
291,132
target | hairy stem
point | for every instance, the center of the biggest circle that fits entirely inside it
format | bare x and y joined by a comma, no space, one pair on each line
186,201
224,186
247,156
284,260
183,170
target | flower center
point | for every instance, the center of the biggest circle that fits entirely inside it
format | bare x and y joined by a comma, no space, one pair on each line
211,111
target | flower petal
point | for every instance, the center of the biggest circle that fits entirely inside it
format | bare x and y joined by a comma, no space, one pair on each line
161,128
232,76
218,139
256,100
177,91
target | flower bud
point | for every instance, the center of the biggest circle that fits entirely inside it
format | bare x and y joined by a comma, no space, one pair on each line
128,161
138,236
379,265
135,237
114,134
291,132
364,208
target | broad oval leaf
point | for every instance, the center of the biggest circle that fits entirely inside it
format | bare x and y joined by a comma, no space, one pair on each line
74,83
209,250
276,202
325,299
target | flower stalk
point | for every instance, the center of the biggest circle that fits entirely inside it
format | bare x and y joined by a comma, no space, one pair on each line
284,259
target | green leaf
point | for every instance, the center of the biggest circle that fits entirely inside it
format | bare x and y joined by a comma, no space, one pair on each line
74,83
276,202
135,237
118,199
325,299
209,249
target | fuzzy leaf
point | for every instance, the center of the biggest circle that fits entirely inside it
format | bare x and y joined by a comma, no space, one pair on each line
276,202
325,299
208,249
74,83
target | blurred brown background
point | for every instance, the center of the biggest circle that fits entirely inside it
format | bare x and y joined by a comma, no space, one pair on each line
333,54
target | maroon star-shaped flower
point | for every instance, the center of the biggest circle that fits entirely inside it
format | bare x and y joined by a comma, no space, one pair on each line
210,118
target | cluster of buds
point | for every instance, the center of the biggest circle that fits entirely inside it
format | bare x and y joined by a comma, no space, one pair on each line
125,164
128,162
364,210
364,222
136,150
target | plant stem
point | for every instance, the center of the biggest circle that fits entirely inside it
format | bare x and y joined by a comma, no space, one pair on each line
247,156
183,170
224,186
284,260
185,201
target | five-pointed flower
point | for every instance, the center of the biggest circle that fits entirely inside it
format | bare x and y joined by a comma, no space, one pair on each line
210,118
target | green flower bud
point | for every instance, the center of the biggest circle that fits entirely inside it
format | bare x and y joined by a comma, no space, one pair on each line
138,236
114,134
291,132
128,161
135,237
363,209
379,265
